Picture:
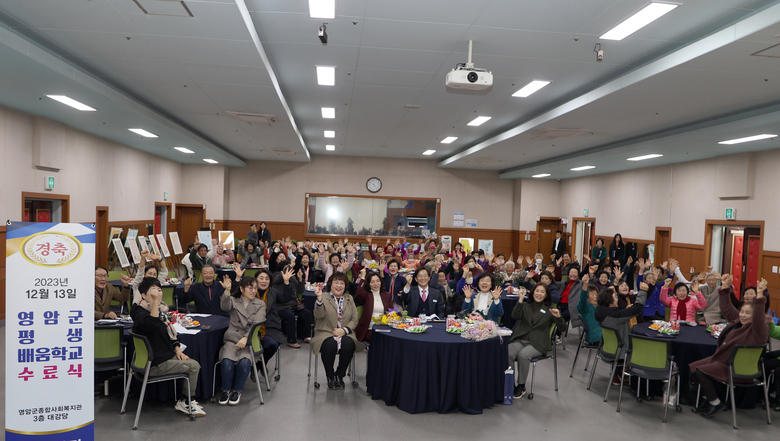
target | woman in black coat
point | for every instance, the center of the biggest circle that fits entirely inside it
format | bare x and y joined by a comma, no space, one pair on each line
617,251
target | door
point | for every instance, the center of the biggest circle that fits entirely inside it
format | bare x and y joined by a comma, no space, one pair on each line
663,243
101,233
751,260
545,231
189,219
737,256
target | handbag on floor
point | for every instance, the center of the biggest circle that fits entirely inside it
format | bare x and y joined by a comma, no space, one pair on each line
509,386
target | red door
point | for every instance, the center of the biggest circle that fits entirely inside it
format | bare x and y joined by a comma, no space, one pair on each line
736,264
751,275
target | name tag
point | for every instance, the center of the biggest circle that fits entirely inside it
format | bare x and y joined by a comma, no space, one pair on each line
543,311
435,301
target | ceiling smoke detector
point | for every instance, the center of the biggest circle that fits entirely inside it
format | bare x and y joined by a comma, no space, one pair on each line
253,118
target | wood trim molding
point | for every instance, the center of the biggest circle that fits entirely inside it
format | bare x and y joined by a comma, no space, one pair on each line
772,253
118,223
686,245
65,198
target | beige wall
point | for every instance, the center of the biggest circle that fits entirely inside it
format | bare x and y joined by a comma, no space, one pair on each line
275,191
92,170
538,197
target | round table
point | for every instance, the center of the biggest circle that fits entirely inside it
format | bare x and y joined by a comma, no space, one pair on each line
309,299
508,301
435,371
203,347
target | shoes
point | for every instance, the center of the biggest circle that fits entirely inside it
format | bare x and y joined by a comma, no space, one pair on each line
558,340
223,399
294,345
332,383
235,398
710,410
252,377
197,411
340,383
519,391
616,380
307,340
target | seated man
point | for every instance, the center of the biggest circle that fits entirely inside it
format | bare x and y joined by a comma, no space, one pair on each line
200,255
168,356
422,298
105,293
205,294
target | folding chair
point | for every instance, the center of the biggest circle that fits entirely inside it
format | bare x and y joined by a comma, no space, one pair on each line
583,344
140,365
651,359
745,363
255,354
351,373
167,295
609,350
544,357
111,352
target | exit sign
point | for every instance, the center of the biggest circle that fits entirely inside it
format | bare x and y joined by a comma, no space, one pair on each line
731,214
48,183
585,212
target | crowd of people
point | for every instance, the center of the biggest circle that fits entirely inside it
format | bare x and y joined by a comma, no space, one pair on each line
430,278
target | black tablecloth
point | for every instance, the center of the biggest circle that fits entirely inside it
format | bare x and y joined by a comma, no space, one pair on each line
203,347
508,302
691,344
435,371
309,299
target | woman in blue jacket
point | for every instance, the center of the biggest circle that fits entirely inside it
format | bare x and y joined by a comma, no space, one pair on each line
486,300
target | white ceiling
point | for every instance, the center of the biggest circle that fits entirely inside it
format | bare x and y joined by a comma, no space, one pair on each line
389,54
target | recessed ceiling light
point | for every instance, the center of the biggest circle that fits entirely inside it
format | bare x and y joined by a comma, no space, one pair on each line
541,175
211,161
530,88
330,147
328,112
478,121
72,103
584,167
748,139
642,158
322,8
143,133
647,15
330,134
326,75
449,140
429,152
184,150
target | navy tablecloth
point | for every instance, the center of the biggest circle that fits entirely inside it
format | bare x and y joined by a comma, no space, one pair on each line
203,347
508,302
692,344
309,299
436,371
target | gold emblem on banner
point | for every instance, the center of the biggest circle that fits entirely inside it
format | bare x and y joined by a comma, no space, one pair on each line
51,249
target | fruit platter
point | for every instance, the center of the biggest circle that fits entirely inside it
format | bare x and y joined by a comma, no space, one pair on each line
416,329
455,326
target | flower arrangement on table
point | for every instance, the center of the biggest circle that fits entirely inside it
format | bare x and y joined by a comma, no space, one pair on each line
481,330
372,265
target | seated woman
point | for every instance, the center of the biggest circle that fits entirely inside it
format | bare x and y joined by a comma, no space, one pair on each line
487,299
711,313
749,294
587,308
305,272
747,326
609,314
245,311
144,271
682,306
249,254
334,333
223,257
271,331
546,279
289,308
471,270
772,363
531,335
375,302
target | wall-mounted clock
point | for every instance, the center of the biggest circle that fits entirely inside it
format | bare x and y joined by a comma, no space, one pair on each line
373,185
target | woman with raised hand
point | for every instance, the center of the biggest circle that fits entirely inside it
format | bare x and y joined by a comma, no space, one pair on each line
249,253
682,305
486,300
144,271
747,326
245,311
334,332
375,302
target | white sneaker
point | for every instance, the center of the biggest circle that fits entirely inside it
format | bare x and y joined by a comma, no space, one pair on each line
196,409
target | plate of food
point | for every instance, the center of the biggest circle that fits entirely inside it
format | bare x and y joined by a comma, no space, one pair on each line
416,329
456,329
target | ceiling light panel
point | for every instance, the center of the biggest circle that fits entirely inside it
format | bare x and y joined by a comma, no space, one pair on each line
184,150
330,134
326,75
328,112
642,158
449,140
330,147
322,8
530,88
478,121
584,167
647,15
72,103
541,175
748,139
210,161
144,133
429,152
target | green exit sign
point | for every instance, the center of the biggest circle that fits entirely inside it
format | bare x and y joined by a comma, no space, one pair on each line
731,213
585,212
48,183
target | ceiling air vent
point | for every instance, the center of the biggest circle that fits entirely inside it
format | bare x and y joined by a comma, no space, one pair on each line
171,8
253,118
548,134
281,152
482,160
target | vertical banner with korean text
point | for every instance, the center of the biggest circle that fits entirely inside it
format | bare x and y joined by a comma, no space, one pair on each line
49,336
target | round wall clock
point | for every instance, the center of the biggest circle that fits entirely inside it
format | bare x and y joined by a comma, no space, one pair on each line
373,185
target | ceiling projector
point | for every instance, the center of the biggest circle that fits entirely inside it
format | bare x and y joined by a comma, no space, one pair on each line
466,76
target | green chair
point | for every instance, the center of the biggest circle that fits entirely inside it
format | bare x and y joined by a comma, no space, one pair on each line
255,354
198,278
116,275
651,359
554,356
583,344
609,350
111,351
251,272
140,366
167,295
745,363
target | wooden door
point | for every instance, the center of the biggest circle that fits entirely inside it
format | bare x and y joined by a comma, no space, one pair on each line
663,243
737,256
101,232
188,223
545,232
751,260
